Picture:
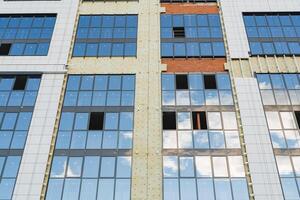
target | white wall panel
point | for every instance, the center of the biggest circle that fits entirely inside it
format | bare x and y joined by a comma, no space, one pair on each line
234,24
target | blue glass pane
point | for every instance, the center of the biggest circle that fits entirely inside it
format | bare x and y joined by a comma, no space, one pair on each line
188,189
166,49
166,20
30,49
16,98
179,49
249,21
29,98
78,139
94,140
255,48
171,189
88,189
5,139
70,98
240,189
95,21
17,49
42,49
84,21
11,167
192,49
117,49
99,98
54,190
63,140
84,98
222,189
178,20
104,49
289,187
106,189
130,49
79,49
66,121
205,189
6,188
19,139
71,189
23,121
205,49
294,47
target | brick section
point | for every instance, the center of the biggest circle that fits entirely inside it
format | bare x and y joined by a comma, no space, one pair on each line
188,8
194,64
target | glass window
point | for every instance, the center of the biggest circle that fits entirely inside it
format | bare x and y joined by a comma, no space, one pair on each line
101,28
107,166
220,166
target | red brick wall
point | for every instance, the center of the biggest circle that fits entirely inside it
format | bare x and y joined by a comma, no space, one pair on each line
188,8
194,64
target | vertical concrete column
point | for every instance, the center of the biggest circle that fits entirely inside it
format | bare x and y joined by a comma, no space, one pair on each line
147,160
34,161
262,164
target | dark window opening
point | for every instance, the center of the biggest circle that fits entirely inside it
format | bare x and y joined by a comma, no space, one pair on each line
297,114
182,81
20,83
199,121
96,121
178,32
210,82
169,121
4,49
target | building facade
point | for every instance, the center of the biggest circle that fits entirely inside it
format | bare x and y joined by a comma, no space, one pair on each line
150,100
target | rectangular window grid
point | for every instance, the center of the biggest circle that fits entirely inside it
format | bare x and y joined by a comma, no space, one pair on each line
221,132
106,36
289,171
196,93
203,36
204,177
201,141
74,132
90,177
100,90
9,167
17,99
273,33
25,95
92,157
284,130
26,35
279,89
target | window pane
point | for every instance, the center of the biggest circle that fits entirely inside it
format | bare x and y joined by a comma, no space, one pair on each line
214,120
284,166
205,189
170,164
88,189
188,189
185,139
106,189
203,166
222,189
91,166
220,167
171,191
169,139
107,167
122,189
124,167
186,167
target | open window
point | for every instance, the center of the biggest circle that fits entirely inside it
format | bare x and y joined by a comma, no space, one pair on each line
96,121
210,81
182,81
20,83
297,114
199,121
178,32
169,121
4,49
